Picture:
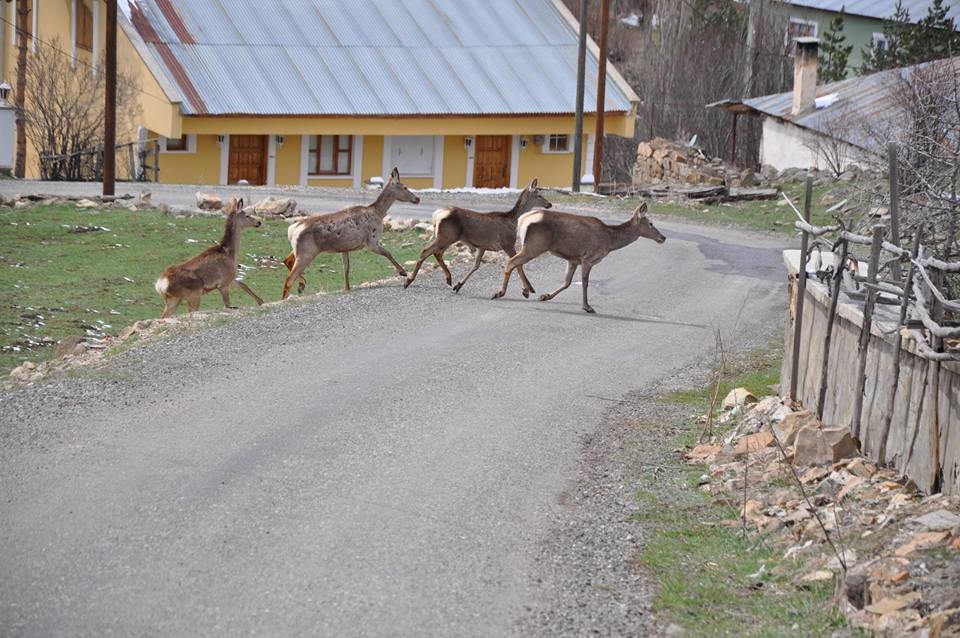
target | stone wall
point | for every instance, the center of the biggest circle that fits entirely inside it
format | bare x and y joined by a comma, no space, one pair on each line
914,404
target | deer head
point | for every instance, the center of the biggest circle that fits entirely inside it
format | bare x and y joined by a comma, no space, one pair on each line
646,227
241,218
531,198
397,190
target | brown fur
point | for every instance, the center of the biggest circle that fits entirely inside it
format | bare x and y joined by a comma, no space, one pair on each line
213,269
347,230
582,241
481,231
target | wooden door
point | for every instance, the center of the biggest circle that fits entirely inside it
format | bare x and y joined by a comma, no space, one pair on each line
248,159
491,161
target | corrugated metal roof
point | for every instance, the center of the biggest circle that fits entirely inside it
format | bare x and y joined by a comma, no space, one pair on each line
879,8
370,57
865,113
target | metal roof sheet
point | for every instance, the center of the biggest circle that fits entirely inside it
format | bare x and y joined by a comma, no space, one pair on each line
879,8
370,57
865,113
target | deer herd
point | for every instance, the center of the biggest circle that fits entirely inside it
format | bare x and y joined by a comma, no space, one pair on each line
581,241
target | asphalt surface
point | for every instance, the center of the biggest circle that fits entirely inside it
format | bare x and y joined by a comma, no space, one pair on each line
382,463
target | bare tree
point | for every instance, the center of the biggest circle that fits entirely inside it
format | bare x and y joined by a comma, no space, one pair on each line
64,113
831,145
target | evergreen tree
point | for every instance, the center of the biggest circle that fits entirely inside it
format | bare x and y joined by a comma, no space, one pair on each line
834,52
931,38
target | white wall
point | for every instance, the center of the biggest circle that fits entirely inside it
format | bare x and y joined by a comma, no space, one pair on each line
786,145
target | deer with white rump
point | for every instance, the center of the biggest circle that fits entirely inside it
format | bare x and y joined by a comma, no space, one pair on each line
480,231
213,269
347,230
582,241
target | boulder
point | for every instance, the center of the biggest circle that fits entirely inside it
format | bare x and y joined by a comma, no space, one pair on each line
818,445
398,223
276,207
738,397
786,430
86,203
208,202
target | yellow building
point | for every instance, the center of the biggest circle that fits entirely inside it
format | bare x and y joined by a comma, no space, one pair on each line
456,93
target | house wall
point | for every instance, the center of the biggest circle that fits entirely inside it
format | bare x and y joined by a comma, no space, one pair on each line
785,145
857,30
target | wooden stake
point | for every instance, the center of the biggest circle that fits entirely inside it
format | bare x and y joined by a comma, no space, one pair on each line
20,162
110,106
866,330
892,167
831,317
801,292
601,93
897,348
578,118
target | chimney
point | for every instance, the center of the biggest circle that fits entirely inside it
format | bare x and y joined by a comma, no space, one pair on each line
804,74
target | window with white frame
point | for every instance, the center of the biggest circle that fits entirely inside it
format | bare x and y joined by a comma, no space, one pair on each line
84,26
330,155
557,143
412,154
183,144
800,28
878,41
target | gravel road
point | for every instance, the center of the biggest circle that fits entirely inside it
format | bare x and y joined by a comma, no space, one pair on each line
380,463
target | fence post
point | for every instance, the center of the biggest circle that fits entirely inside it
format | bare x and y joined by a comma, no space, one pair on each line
831,317
866,329
801,292
156,162
131,156
892,168
897,347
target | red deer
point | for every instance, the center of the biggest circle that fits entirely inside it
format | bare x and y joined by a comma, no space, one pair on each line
342,232
582,241
213,269
480,231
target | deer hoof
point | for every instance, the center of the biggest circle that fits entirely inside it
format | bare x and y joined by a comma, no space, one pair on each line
402,273
497,295
407,282
545,297
458,287
525,293
301,288
589,309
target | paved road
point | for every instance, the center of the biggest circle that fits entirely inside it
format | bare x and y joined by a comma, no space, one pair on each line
378,463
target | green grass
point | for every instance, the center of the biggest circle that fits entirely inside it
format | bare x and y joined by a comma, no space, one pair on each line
58,282
707,571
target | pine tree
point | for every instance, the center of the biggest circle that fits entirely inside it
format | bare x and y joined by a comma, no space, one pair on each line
835,53
932,38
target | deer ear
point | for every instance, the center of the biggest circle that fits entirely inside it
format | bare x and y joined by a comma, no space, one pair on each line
395,174
240,204
641,210
533,184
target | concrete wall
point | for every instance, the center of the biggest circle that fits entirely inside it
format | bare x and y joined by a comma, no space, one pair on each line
785,145
911,391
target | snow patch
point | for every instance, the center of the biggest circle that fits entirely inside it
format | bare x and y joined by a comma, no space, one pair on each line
632,21
826,100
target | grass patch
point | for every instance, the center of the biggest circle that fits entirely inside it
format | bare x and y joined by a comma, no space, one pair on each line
67,271
712,580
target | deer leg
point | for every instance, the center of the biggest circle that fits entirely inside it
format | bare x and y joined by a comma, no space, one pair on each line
514,262
378,248
289,261
526,288
169,306
193,302
345,258
476,265
430,249
585,279
567,278
244,287
443,266
298,267
225,294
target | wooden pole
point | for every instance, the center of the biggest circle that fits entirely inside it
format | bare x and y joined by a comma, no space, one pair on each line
578,120
831,318
156,162
110,106
865,331
801,292
601,96
20,162
893,170
897,348
733,140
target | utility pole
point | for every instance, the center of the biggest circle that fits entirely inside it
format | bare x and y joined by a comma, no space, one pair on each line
578,125
601,96
110,108
750,70
20,162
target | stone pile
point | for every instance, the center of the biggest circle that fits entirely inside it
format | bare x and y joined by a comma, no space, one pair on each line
892,554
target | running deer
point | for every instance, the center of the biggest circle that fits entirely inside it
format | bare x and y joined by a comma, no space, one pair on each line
582,241
480,231
213,269
342,232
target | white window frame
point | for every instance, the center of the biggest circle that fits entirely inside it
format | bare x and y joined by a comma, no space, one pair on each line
353,150
191,145
545,148
804,21
877,36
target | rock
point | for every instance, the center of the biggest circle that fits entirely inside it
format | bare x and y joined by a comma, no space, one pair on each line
738,397
938,520
79,349
817,445
399,223
769,172
644,150
209,202
861,467
66,345
86,203
921,540
276,206
29,365
894,603
815,576
786,430
752,443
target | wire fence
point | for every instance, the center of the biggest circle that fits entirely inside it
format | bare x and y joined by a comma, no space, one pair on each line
135,162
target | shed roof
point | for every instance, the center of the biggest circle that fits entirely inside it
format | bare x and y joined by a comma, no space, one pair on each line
878,8
863,111
369,57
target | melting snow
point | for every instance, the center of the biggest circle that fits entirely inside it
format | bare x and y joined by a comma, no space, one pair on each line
632,20
826,100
